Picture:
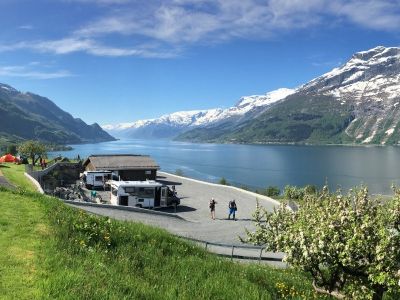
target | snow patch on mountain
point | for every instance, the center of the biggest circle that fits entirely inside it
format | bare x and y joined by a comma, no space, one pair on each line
7,88
361,77
195,118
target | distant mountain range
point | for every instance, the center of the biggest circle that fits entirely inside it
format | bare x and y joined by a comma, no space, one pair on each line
357,102
28,116
170,126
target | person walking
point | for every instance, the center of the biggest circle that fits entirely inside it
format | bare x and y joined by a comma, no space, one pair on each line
232,209
212,208
174,190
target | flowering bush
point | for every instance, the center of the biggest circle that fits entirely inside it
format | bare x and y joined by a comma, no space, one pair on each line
292,192
350,244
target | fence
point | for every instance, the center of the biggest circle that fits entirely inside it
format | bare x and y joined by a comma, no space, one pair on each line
246,252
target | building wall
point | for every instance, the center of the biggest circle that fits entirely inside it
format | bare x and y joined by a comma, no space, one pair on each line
137,174
90,167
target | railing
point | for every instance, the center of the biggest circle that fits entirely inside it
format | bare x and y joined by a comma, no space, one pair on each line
230,251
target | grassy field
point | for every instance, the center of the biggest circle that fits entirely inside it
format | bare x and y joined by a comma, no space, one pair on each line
51,251
15,174
22,231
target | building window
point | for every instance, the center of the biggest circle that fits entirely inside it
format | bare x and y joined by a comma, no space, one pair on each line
147,172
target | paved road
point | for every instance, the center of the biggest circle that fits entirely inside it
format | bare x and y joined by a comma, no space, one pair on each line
4,182
195,196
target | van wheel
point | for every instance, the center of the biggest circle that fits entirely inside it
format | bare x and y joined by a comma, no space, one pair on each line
139,205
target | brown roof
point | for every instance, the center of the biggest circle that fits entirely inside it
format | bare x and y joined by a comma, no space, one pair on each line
121,162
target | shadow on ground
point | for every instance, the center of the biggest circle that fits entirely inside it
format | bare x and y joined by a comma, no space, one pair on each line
179,208
167,182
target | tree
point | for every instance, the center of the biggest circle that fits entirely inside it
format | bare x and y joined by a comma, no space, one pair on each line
272,191
12,149
33,150
179,172
349,244
223,181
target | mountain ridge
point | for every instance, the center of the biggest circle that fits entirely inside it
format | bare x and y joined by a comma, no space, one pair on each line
181,121
29,116
355,103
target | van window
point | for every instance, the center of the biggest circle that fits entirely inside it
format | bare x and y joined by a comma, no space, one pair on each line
98,178
114,191
130,190
146,192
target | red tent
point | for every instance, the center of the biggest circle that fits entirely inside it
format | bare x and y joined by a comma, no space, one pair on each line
8,158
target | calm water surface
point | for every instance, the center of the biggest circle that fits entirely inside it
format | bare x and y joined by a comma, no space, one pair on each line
258,166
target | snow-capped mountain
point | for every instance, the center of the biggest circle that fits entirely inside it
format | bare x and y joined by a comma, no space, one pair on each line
370,83
373,74
173,124
357,102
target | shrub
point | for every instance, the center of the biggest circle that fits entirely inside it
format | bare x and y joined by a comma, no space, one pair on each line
223,181
310,189
12,149
179,172
348,243
292,192
272,191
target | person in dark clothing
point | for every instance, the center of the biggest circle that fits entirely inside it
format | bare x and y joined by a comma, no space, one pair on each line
212,208
232,209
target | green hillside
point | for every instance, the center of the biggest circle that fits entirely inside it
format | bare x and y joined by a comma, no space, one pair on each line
299,119
28,116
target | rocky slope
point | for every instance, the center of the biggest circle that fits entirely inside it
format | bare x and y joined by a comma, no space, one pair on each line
28,116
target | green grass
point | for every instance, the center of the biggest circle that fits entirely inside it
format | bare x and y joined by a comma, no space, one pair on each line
51,251
22,231
15,175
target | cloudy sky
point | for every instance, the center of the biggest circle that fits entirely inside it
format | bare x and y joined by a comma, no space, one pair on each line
111,61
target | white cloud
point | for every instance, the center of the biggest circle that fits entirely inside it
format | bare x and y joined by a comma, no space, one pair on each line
171,25
190,21
101,1
90,46
26,27
379,15
28,72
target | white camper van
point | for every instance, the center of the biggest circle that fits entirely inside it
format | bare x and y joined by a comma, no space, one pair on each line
145,194
96,179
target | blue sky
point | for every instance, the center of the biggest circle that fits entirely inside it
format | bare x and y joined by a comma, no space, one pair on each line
111,61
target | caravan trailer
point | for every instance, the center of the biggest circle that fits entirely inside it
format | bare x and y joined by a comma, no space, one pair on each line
145,194
96,179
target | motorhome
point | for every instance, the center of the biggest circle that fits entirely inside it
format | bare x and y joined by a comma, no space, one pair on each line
145,194
96,179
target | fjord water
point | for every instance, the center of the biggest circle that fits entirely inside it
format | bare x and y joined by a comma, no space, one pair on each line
259,166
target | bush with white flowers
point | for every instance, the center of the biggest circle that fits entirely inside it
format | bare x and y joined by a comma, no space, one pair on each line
350,244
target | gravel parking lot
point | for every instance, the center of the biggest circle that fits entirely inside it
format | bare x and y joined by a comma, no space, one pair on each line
195,196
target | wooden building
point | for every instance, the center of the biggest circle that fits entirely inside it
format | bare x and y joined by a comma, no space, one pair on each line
125,166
